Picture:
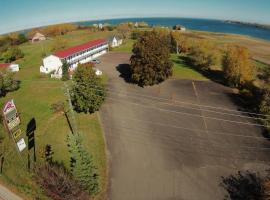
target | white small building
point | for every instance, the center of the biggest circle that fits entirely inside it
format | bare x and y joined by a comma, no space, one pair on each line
115,41
80,54
38,37
10,66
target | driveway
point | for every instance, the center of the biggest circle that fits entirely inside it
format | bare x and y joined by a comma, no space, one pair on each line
163,145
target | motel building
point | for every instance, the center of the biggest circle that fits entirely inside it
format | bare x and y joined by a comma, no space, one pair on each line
73,56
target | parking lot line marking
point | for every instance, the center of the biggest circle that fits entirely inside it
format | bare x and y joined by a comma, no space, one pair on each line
198,100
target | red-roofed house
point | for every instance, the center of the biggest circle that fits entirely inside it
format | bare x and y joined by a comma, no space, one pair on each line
10,66
73,56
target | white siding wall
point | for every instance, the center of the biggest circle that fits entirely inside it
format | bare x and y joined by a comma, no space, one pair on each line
53,63
50,64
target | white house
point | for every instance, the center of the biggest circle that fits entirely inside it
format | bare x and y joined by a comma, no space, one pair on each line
73,56
115,41
10,66
38,37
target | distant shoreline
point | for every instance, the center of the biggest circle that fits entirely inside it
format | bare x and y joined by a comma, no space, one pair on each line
255,30
263,26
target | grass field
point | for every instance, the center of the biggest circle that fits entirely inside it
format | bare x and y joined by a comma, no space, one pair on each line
125,47
33,100
181,70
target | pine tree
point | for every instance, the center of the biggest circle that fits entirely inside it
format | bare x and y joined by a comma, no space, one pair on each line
82,165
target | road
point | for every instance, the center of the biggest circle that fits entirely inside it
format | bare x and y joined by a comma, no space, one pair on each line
162,145
6,194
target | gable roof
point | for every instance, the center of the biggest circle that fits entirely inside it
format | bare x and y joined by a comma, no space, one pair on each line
4,65
114,36
76,49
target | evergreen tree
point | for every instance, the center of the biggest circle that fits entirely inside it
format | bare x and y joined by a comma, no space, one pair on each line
88,92
150,63
82,165
65,74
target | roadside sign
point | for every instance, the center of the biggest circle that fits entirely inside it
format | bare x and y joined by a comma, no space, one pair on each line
17,134
21,145
11,115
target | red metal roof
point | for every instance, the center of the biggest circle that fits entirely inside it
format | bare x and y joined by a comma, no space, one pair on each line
72,50
4,65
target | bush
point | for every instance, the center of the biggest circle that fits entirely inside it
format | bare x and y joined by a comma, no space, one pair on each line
7,83
82,165
237,66
12,54
150,62
88,93
265,108
203,54
244,186
57,183
59,44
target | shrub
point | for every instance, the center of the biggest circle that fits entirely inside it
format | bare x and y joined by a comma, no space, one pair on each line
57,183
265,107
7,83
88,93
12,54
59,44
150,62
244,186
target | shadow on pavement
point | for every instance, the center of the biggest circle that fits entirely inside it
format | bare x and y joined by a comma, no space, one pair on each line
125,73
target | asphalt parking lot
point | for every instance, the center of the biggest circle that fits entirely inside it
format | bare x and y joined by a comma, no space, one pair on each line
175,140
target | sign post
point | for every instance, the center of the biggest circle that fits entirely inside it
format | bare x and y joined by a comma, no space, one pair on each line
11,116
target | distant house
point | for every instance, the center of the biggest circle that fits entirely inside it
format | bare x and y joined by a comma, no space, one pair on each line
79,54
179,28
10,66
115,41
38,37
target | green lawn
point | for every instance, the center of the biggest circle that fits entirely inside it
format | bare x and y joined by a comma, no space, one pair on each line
126,47
33,100
181,70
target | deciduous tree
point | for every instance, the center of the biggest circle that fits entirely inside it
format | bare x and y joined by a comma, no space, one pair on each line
237,66
203,54
88,92
150,62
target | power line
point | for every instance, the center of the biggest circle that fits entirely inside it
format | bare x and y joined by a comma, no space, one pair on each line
198,149
206,110
190,137
189,114
197,130
187,103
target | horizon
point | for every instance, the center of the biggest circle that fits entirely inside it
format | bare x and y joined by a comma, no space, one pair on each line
44,13
127,18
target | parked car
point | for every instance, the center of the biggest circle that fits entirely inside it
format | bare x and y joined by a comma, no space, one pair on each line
96,61
97,71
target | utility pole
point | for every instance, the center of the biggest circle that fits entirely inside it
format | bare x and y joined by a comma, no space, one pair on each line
177,49
72,125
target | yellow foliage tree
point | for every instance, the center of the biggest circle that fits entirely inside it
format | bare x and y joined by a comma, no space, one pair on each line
237,66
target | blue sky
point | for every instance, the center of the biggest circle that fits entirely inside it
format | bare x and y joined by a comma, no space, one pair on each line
22,14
